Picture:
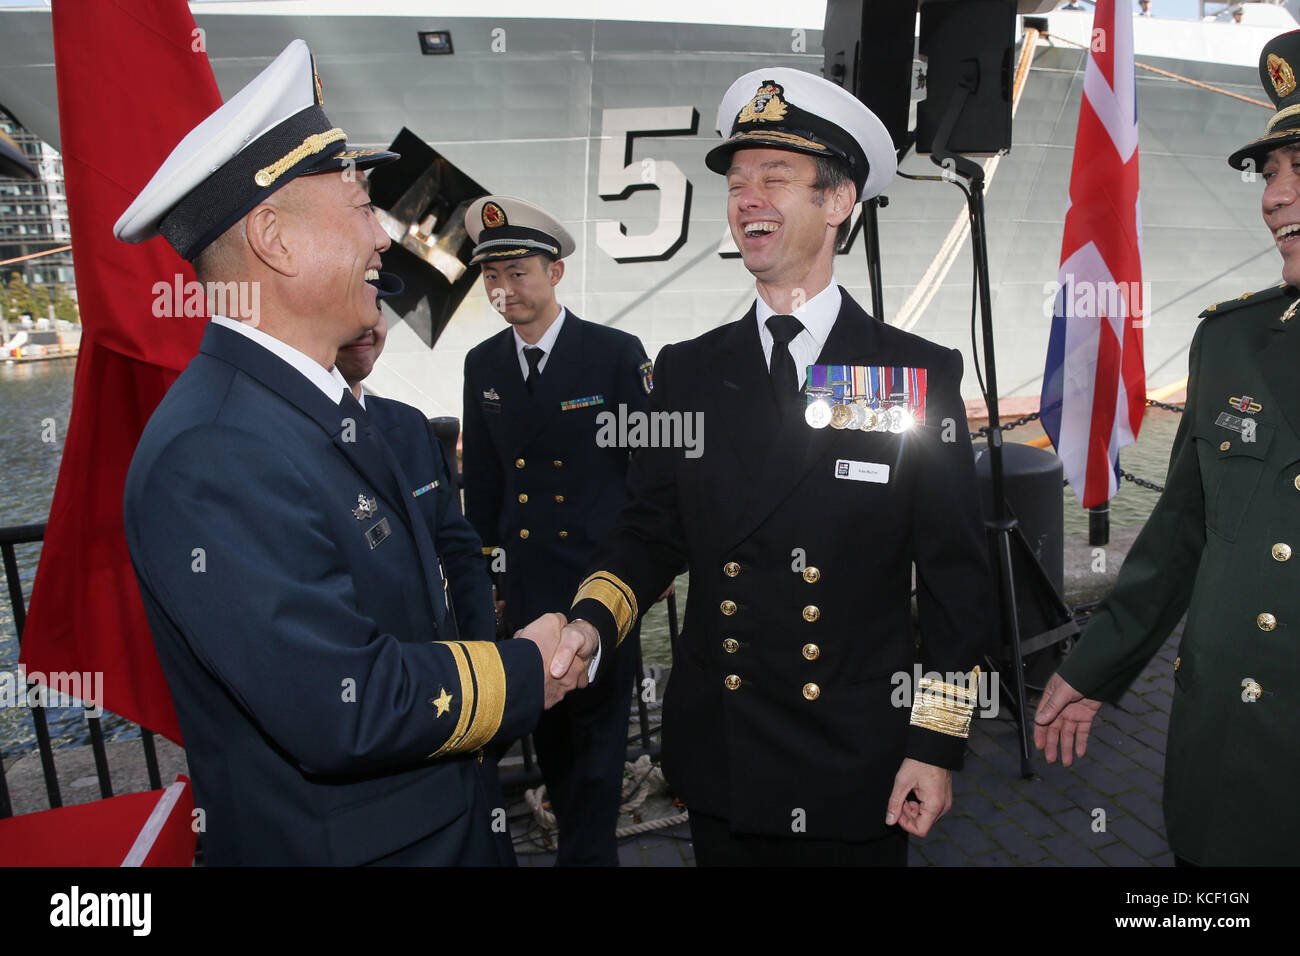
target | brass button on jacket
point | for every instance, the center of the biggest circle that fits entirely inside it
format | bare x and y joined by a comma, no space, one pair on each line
1177,662
811,575
559,499
523,499
732,682
519,463
1251,690
564,534
728,608
811,691
1224,446
557,463
523,533
1296,482
811,613
812,652
731,569
731,645
1266,621
1281,552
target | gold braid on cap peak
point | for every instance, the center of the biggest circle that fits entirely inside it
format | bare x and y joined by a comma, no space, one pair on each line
1281,115
945,708
309,146
617,597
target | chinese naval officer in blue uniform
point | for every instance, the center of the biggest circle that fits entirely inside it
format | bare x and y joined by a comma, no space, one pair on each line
539,487
332,713
838,458
1223,546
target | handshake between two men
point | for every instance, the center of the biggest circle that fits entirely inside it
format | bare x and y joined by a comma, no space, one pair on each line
568,649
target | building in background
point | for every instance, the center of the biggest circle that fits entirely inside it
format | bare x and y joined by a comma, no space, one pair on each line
34,215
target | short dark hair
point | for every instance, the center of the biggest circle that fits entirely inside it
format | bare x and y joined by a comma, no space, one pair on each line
831,175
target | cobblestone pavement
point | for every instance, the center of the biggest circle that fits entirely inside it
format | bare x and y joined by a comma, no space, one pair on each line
999,819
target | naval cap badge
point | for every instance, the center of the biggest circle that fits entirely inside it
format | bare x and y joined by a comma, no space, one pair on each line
766,106
493,216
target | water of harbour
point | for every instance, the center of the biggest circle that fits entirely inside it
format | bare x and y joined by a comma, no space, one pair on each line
35,396
35,403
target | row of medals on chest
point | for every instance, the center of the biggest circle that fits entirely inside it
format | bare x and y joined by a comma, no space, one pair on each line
858,414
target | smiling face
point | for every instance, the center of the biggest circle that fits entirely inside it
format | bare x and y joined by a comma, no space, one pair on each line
336,242
357,359
1281,206
523,291
783,226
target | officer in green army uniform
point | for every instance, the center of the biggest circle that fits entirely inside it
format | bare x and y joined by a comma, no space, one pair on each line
1220,545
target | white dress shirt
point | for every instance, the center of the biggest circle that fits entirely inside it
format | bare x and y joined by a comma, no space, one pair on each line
546,343
818,314
331,383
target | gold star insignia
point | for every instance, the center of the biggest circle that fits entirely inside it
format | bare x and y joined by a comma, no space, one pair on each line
443,703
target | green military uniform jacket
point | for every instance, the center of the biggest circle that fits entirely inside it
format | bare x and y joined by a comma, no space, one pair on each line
1219,545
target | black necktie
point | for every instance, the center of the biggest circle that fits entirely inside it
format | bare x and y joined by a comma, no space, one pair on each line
352,408
533,355
785,381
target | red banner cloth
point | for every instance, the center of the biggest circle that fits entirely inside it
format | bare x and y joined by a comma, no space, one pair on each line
136,829
133,79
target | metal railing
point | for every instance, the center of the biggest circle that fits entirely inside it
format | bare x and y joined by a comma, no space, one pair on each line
35,534
643,729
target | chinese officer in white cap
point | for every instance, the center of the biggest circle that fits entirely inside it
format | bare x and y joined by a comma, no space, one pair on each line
840,460
539,488
332,714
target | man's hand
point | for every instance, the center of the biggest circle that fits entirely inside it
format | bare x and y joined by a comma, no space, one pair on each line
578,643
545,633
933,788
1063,715
667,591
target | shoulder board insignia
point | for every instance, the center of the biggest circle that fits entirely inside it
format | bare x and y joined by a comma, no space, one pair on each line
1246,298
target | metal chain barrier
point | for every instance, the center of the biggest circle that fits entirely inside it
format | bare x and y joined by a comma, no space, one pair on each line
1140,482
983,432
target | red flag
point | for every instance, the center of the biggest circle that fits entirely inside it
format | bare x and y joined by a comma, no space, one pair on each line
133,80
154,828
1094,381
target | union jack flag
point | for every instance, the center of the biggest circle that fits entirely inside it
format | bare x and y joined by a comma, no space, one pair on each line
1094,382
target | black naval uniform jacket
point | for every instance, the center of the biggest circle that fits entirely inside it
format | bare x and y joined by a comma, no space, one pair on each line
460,551
536,483
778,707
1222,546
332,714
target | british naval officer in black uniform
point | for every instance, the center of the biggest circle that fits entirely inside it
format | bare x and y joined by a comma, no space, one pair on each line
838,457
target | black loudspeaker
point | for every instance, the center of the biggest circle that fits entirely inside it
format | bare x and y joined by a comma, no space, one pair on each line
869,53
967,43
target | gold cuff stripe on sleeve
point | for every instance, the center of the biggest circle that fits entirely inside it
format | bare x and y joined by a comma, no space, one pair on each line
617,597
945,708
465,673
490,676
489,551
309,146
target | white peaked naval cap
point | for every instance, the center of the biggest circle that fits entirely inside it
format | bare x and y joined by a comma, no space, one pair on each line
784,108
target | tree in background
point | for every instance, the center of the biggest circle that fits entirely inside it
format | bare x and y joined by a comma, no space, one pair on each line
17,299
